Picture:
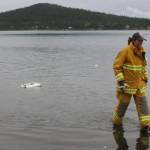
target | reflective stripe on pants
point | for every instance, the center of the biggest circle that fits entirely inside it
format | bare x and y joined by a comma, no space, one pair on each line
123,103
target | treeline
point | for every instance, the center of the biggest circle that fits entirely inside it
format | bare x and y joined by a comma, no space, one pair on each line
54,17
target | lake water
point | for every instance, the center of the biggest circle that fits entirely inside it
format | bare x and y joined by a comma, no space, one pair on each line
73,108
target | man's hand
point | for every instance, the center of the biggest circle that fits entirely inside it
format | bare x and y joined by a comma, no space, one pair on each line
123,85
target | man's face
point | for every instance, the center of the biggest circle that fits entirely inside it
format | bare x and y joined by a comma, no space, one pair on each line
138,43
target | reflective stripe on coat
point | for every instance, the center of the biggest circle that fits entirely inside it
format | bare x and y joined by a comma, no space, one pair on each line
130,65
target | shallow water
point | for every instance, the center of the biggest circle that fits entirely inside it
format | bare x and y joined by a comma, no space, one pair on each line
74,106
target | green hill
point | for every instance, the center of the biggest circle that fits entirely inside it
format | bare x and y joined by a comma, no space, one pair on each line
54,17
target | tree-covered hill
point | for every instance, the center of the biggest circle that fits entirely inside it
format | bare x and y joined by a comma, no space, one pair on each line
48,16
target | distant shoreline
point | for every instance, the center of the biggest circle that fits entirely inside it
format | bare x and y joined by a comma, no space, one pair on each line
44,16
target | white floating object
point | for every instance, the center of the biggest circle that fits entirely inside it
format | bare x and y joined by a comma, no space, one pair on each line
31,84
96,65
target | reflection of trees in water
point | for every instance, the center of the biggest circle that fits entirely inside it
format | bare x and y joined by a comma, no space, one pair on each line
142,142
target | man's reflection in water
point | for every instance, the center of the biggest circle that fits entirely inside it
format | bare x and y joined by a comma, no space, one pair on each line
119,138
142,143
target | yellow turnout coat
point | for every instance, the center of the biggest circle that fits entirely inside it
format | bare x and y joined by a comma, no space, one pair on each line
130,65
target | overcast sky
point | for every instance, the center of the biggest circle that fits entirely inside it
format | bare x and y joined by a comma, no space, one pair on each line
133,8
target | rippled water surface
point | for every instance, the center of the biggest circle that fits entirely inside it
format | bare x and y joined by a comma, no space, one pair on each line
73,108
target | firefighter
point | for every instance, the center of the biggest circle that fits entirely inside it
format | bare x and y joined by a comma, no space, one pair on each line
131,77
